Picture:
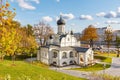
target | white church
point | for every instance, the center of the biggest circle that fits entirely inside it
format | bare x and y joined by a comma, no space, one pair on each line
63,49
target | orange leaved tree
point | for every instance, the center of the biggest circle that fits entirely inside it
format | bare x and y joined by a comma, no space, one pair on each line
89,34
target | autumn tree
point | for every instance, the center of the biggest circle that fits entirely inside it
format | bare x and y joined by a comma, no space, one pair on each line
28,42
43,31
29,29
117,41
90,34
13,38
108,36
6,33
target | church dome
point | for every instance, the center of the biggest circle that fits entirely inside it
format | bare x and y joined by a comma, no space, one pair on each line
61,21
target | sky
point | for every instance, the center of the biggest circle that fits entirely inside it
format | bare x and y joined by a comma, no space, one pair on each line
78,14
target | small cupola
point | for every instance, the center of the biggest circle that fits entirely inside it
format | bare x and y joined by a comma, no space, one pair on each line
71,32
61,21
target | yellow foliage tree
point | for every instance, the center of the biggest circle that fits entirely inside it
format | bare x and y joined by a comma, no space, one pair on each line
89,34
13,37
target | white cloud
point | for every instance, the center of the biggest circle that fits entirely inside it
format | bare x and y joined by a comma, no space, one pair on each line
56,18
86,17
112,22
25,5
68,16
101,14
58,0
118,10
111,14
118,15
96,24
36,1
47,19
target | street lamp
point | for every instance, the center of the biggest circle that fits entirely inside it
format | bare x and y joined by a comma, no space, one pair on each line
31,54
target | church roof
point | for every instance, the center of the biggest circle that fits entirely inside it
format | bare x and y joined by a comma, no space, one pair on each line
61,21
61,36
81,49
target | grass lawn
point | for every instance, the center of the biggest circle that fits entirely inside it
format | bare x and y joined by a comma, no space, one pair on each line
103,58
105,54
95,67
34,72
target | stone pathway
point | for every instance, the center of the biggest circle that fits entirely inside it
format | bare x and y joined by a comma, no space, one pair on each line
114,70
30,59
75,73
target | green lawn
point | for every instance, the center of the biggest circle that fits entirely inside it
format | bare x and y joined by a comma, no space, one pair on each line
95,67
34,72
103,58
111,54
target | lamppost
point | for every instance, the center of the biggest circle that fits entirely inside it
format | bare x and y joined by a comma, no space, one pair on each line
31,54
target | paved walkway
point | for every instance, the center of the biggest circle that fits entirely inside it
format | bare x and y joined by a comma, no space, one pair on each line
30,59
114,70
75,73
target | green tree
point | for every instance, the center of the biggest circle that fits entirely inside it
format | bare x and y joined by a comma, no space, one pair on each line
117,41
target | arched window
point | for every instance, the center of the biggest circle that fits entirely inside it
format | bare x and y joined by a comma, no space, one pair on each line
72,62
64,63
54,63
71,54
54,54
64,55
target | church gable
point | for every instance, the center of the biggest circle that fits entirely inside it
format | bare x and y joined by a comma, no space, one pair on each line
68,40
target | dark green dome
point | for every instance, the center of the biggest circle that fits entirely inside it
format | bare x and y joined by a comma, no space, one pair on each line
61,21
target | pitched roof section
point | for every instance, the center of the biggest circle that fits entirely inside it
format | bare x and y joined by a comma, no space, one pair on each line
62,36
81,49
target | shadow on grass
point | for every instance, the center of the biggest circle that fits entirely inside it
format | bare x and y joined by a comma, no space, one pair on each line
19,57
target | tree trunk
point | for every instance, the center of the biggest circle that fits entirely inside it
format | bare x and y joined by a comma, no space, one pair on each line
2,57
91,43
13,59
108,51
118,53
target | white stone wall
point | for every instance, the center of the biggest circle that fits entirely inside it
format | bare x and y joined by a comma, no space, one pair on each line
87,57
69,40
44,57
59,59
47,57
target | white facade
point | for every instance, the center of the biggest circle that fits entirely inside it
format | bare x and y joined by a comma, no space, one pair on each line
65,56
69,40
